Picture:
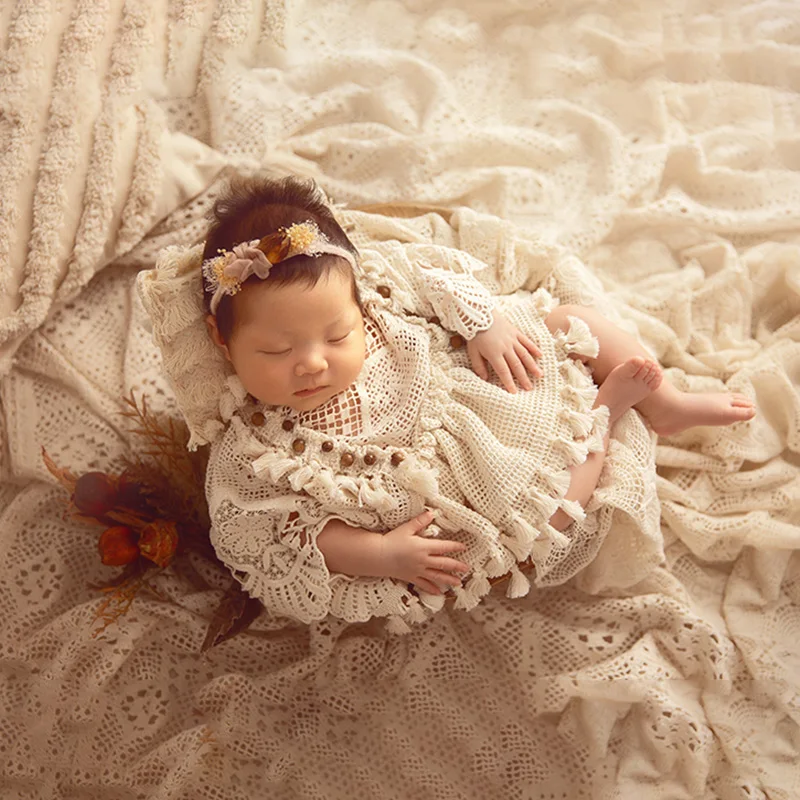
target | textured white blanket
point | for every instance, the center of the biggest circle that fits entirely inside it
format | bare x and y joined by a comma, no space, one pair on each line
656,141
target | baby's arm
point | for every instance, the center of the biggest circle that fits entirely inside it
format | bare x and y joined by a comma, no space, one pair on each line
352,551
400,553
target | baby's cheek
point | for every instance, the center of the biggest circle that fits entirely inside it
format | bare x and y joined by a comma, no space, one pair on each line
357,361
261,375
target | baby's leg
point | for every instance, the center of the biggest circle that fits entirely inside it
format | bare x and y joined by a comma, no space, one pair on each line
667,409
627,384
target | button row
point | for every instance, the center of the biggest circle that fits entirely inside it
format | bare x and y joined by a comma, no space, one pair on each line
299,446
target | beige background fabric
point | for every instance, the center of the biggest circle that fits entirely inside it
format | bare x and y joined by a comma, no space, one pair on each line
657,144
91,159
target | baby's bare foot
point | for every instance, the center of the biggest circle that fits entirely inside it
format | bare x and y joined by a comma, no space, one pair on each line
677,410
628,384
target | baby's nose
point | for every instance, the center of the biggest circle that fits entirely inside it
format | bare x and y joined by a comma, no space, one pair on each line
311,364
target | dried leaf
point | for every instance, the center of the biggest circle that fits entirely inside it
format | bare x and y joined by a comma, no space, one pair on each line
228,611
252,611
234,608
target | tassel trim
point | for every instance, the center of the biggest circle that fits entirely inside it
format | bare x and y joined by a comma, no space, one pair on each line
573,509
469,595
595,443
544,505
581,423
320,481
526,535
396,626
552,540
558,483
416,612
578,339
573,453
519,585
414,476
519,550
543,302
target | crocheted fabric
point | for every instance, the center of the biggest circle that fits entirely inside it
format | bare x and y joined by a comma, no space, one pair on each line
655,141
417,429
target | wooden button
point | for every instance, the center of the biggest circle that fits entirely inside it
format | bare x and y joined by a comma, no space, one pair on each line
435,320
298,445
327,446
384,291
258,419
287,424
456,342
347,459
369,459
397,458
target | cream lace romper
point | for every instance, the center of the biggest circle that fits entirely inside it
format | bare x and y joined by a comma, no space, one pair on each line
418,429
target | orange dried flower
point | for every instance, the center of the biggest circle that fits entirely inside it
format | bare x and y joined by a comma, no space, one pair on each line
95,493
117,546
158,541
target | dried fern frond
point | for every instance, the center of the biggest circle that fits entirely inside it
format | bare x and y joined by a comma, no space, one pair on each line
66,478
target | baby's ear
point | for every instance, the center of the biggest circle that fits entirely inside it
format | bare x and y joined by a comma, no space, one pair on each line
213,332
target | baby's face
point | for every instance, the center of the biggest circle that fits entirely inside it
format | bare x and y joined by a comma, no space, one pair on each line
291,338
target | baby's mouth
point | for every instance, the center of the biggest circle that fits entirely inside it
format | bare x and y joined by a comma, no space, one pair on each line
309,392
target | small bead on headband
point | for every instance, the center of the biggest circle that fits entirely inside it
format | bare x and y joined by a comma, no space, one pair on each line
226,273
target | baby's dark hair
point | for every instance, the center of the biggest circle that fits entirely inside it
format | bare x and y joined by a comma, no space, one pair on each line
251,207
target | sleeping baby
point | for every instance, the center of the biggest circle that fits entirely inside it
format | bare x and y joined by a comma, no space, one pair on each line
390,432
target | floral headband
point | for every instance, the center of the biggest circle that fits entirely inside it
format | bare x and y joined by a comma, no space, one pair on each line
226,273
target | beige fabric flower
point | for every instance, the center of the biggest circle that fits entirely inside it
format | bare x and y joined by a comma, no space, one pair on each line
248,260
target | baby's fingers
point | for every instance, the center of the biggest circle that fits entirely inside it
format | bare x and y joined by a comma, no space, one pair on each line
478,364
449,564
504,373
442,577
426,586
438,558
531,347
527,359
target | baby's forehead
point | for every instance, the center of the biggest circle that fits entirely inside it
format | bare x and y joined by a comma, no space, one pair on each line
269,312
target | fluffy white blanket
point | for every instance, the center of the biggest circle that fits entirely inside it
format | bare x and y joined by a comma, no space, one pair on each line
657,142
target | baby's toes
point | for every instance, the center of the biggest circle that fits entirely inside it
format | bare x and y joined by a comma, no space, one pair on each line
653,374
634,367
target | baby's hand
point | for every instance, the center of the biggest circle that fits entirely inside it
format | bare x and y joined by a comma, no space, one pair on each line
508,350
419,560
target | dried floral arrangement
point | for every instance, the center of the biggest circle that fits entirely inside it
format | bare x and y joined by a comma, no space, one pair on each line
154,516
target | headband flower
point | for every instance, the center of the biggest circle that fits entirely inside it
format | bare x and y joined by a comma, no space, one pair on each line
226,273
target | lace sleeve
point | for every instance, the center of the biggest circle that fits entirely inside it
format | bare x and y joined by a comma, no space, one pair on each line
273,554
440,281
266,534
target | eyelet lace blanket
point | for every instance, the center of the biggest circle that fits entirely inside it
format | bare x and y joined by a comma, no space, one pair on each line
640,157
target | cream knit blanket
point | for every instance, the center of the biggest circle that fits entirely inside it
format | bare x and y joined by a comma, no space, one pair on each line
656,143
